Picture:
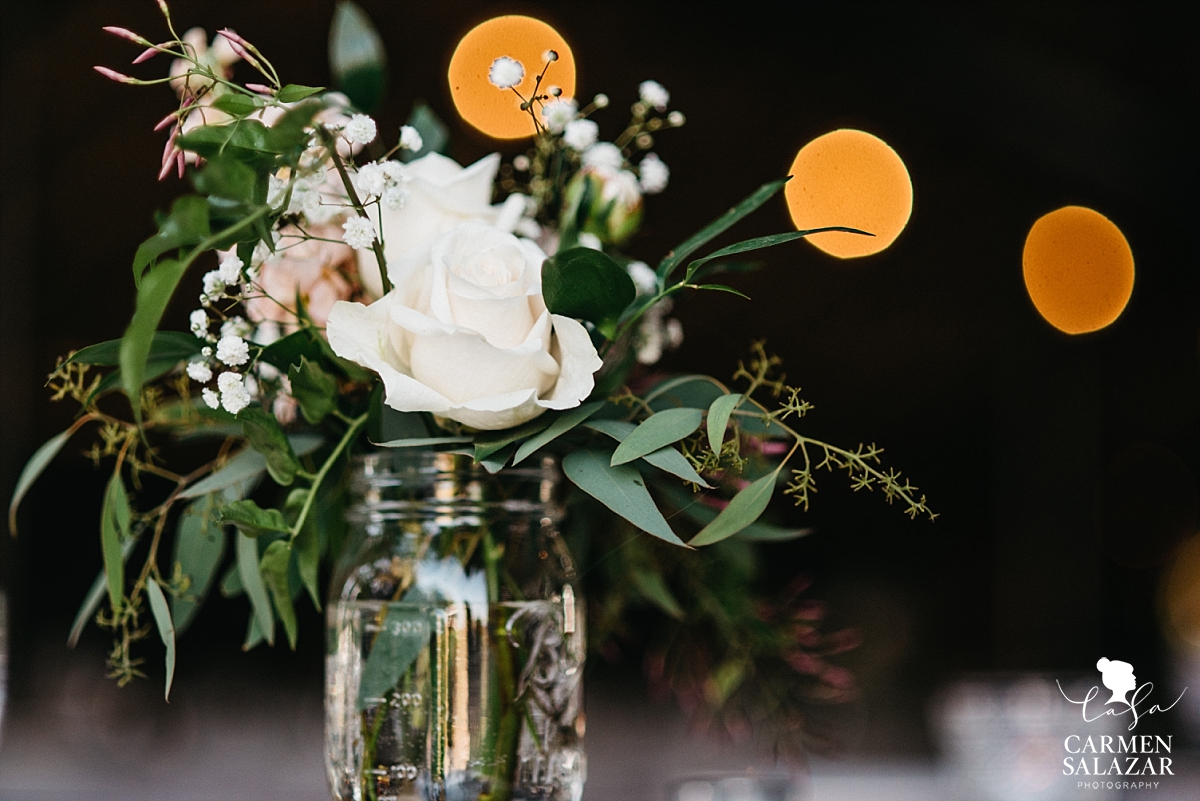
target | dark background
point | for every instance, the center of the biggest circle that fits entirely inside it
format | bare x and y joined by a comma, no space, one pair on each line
1064,467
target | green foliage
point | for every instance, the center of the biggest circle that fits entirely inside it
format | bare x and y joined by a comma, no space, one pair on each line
560,425
252,520
314,389
275,566
199,546
404,634
620,488
114,529
584,283
166,630
186,224
718,418
654,588
37,463
252,582
746,507
95,595
665,458
657,431
357,59
165,346
294,92
264,434
435,136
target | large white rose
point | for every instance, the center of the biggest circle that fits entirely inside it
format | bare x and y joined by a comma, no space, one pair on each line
441,194
467,334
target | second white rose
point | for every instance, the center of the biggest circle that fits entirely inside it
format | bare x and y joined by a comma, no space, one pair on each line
467,335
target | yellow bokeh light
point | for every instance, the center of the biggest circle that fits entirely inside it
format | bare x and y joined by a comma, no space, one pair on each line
497,112
1180,594
1078,269
853,179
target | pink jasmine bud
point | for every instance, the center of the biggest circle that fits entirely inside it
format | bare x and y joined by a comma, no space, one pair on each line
168,163
113,75
232,36
162,6
241,51
146,55
260,88
180,162
165,121
125,33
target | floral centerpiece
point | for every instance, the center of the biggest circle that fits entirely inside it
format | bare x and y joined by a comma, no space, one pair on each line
384,335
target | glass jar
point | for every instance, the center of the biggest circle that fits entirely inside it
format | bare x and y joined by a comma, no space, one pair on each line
455,650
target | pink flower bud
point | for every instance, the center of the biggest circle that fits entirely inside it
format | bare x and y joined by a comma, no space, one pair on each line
165,121
146,55
181,162
113,75
260,88
124,33
233,37
241,51
168,163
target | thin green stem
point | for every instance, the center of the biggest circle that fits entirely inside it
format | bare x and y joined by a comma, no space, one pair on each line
376,245
319,478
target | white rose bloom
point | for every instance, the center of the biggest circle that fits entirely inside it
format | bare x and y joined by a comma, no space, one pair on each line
438,195
466,335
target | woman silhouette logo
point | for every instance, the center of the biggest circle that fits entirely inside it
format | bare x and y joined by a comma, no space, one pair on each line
1118,677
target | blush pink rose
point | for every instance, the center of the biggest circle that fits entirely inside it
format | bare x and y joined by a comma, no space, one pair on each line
322,273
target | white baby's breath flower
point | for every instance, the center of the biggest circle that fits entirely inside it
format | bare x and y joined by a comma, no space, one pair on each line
231,269
212,399
236,326
214,285
590,241
199,372
360,130
371,180
395,196
233,350
604,155
206,352
410,138
580,134
643,277
600,100
276,190
521,163
653,174
234,395
676,118
395,172
558,113
198,321
652,93
506,73
360,232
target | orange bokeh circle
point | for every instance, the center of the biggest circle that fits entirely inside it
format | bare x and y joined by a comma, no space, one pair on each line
1078,269
497,112
853,179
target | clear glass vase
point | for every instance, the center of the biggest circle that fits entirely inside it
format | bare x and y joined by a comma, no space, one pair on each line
455,647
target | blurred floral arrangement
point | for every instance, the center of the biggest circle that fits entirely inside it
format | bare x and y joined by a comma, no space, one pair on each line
355,296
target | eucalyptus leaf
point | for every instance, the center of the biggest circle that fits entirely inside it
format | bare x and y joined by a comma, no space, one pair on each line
114,529
94,595
357,59
153,295
688,391
199,546
252,520
496,462
275,564
113,380
585,283
422,442
166,630
314,390
718,419
164,346
620,488
307,547
654,589
406,631
231,583
666,458
722,288
252,583
266,436
560,425
716,228
489,442
689,504
656,431
746,507
249,463
36,465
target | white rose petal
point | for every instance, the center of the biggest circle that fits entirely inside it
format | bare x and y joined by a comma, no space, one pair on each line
233,350
467,335
580,134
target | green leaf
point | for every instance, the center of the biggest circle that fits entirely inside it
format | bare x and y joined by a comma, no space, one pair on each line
308,558
94,595
154,369
290,350
238,104
746,507
560,425
265,435
37,463
294,92
254,634
765,532
226,177
620,488
244,140
165,346
275,565
314,389
231,584
687,391
357,59
666,458
584,283
717,267
252,582
187,224
248,464
405,633
657,430
252,520
718,419
422,442
153,295
722,288
489,442
758,243
385,424
689,504
435,136
655,590
166,630
114,529
199,546
717,227
290,134
495,463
